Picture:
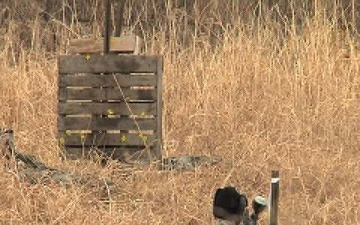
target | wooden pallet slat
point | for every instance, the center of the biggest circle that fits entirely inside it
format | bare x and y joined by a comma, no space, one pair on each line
107,139
107,64
97,80
123,153
106,94
97,108
123,44
160,65
93,123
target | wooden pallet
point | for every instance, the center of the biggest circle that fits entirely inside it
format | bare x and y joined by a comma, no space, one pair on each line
110,104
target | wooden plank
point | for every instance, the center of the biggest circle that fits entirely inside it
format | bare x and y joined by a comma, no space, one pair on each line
125,44
158,149
119,108
107,64
93,123
106,139
122,153
97,80
106,94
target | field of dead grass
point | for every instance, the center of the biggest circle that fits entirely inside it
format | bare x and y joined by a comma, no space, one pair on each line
259,100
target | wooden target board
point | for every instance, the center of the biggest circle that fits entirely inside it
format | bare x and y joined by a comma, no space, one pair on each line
110,104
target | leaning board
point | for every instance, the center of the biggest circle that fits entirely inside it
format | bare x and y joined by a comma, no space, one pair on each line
110,104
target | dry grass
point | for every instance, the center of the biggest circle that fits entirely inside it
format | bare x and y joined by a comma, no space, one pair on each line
260,100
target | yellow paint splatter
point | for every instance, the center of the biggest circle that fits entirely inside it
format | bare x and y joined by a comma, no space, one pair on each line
123,138
110,112
87,57
82,137
144,138
62,141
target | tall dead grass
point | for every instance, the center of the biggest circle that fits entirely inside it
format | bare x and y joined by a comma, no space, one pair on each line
259,99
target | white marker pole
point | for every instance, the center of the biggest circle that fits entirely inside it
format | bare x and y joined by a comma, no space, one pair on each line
274,197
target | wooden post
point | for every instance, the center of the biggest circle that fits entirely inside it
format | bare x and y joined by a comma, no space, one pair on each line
353,16
274,197
107,27
119,16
